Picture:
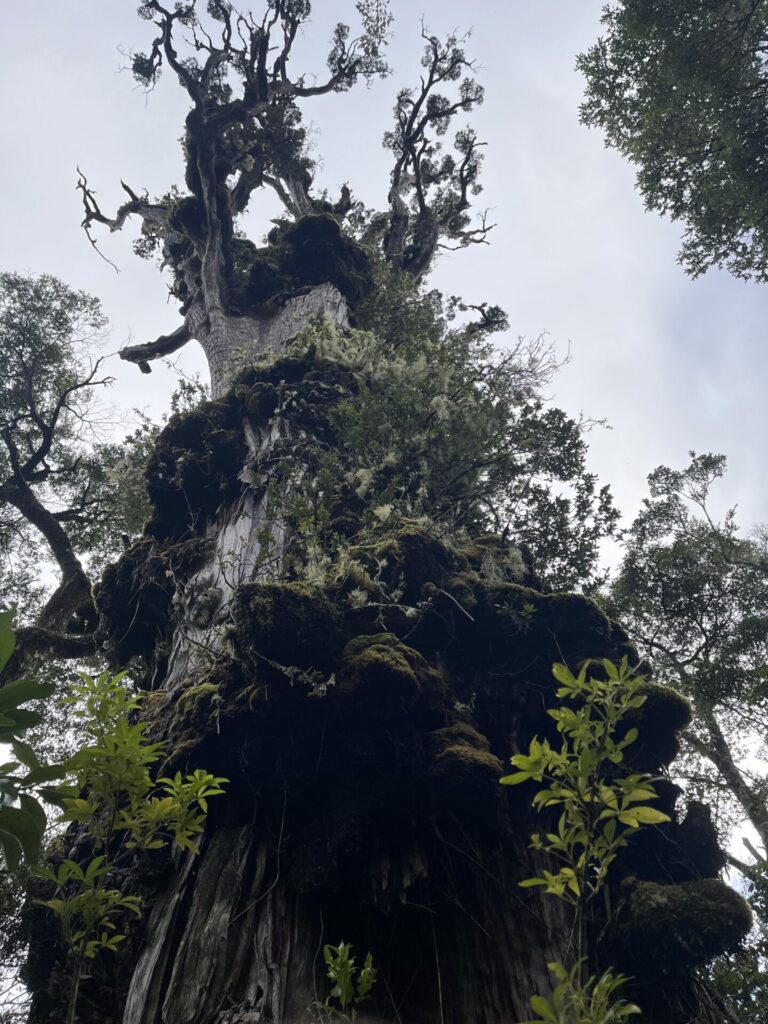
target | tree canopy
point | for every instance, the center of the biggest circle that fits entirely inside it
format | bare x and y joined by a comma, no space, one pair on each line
681,90
694,594
244,132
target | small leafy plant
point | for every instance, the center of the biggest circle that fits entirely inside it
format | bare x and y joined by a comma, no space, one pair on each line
600,809
575,1001
350,983
121,808
113,790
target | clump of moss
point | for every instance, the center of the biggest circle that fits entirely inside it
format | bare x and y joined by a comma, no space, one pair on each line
493,557
383,675
461,733
465,772
419,558
194,466
290,623
697,840
408,561
135,595
671,928
134,602
466,767
309,252
660,720
197,708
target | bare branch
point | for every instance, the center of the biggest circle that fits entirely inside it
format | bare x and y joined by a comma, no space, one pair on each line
152,212
162,346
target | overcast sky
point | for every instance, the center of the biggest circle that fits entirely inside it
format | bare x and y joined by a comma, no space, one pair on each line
672,364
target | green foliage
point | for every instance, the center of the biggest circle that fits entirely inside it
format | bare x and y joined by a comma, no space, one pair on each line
115,799
89,914
65,494
599,808
741,978
22,779
444,426
350,983
115,791
48,333
574,1001
680,90
693,592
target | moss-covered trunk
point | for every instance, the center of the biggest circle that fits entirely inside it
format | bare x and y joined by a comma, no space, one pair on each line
362,702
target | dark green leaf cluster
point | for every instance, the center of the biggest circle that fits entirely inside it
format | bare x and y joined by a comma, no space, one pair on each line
350,984
697,590
593,1001
444,425
681,90
599,806
23,779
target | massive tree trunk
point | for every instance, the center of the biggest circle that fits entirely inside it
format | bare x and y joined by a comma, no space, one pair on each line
364,739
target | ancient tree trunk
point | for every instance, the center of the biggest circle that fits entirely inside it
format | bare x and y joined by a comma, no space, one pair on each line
364,739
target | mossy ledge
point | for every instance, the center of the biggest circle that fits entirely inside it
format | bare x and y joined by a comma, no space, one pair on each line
671,929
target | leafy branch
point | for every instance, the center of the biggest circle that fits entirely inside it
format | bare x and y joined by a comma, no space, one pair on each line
600,809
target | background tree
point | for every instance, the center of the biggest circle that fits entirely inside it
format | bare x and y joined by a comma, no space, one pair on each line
694,593
681,90
47,335
70,495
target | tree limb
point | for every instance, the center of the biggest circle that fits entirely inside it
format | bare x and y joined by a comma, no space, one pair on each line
162,346
74,591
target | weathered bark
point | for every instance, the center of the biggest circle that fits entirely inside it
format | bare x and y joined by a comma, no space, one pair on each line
239,342
249,948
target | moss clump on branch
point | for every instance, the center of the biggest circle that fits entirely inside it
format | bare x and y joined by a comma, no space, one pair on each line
309,252
469,778
664,708
669,929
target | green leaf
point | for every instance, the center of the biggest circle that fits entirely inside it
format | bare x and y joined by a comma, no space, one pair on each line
631,736
45,773
34,809
648,816
515,778
563,675
23,719
11,850
23,690
544,1009
24,827
25,754
7,637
